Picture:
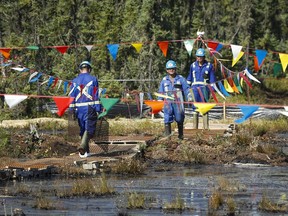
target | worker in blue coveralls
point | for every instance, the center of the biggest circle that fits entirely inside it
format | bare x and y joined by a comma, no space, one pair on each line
175,87
86,105
201,73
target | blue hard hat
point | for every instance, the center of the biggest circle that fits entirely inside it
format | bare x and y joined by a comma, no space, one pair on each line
85,64
200,52
171,64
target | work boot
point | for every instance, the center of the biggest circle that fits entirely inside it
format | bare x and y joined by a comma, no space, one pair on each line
84,146
180,130
167,129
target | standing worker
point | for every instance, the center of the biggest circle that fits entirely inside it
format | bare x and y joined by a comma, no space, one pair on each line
86,105
201,73
174,86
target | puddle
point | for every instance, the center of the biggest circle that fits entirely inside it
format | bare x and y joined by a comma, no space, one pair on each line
194,184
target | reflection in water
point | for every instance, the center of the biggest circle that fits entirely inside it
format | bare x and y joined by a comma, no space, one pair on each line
194,184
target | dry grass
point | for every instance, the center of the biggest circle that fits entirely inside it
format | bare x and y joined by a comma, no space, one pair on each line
268,205
136,200
129,166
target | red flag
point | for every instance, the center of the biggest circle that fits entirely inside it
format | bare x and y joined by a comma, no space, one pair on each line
55,82
163,46
213,93
62,104
245,79
62,49
212,45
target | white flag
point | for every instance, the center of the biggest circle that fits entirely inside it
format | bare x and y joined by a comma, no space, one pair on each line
13,100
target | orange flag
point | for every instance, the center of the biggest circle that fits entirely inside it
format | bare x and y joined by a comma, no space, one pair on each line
5,52
62,104
163,46
156,106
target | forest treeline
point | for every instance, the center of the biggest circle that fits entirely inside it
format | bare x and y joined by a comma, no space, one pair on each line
253,24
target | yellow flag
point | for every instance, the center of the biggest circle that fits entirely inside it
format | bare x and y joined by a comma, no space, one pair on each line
284,60
137,46
228,87
235,60
163,96
203,108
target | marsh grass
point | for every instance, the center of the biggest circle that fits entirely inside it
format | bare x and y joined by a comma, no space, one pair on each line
216,200
44,203
231,205
73,171
19,190
175,205
86,188
268,205
268,149
129,166
136,200
192,155
138,127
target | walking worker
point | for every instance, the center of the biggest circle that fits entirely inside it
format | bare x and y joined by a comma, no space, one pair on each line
86,105
174,86
201,73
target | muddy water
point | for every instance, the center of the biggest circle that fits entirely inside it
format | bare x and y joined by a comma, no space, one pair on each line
161,185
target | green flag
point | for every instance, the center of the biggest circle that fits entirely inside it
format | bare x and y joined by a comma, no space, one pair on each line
32,47
107,103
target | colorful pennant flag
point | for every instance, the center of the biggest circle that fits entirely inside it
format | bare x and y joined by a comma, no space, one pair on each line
89,47
246,72
113,49
189,46
5,52
13,100
235,60
107,103
137,46
62,104
203,108
228,87
156,106
217,90
284,60
247,111
32,47
260,54
163,45
62,49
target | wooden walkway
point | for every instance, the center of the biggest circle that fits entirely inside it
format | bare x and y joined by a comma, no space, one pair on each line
115,149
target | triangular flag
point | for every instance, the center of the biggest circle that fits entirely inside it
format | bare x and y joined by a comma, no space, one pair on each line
156,106
232,84
223,90
32,75
5,52
113,49
13,100
236,49
245,79
256,64
217,90
246,71
36,78
62,104
137,46
163,96
219,47
277,69
247,111
235,60
228,87
203,108
107,103
163,46
189,46
284,60
32,47
236,81
62,49
89,47
213,94
260,54
212,45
